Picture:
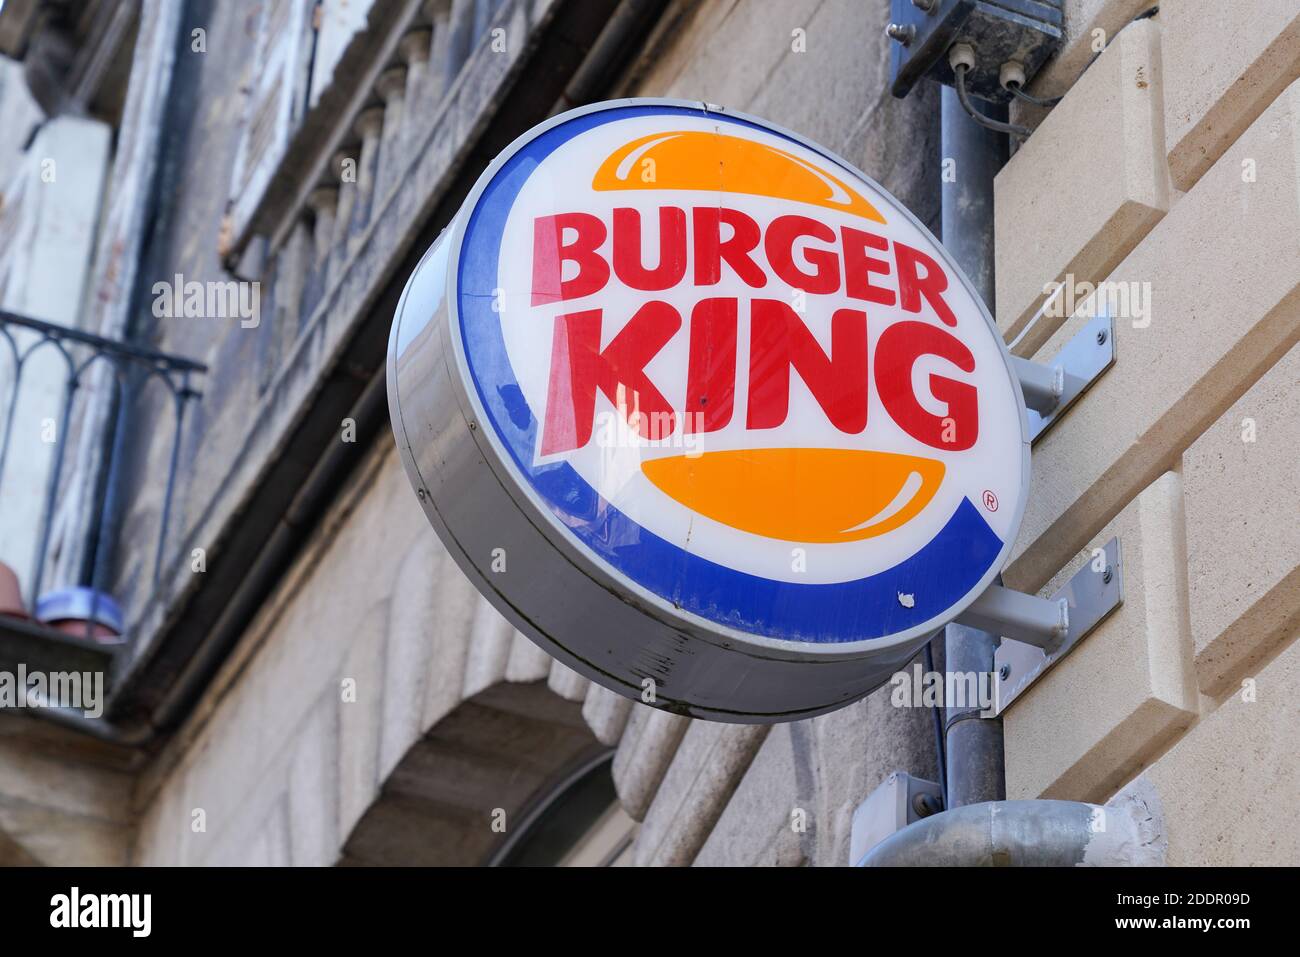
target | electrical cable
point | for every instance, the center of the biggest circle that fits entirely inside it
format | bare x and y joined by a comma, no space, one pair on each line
1020,94
989,124
1144,15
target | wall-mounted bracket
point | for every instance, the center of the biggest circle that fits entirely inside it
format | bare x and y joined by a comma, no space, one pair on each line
1023,32
1030,644
1043,623
1051,388
897,801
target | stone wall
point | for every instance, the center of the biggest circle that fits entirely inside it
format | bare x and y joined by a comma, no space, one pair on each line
358,714
1172,167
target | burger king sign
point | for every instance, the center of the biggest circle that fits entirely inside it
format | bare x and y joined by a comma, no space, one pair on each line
705,412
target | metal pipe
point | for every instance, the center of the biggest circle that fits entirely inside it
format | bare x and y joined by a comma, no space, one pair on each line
1036,621
56,332
974,154
973,744
52,490
1028,834
178,410
1042,385
107,501
629,24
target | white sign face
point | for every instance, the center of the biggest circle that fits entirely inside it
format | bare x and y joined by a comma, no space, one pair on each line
738,378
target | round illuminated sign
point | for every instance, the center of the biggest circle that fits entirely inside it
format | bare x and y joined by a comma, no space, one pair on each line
706,412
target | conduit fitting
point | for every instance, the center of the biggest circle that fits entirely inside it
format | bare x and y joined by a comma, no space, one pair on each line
1127,833
961,54
1011,75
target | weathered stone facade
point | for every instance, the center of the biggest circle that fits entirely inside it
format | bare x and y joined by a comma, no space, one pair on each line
374,709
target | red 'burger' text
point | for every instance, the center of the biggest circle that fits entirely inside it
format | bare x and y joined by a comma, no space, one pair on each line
799,253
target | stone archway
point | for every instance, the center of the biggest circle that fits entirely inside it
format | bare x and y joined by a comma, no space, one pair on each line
476,774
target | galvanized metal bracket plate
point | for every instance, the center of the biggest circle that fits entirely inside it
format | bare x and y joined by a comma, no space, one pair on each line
1082,360
1021,31
1092,594
896,802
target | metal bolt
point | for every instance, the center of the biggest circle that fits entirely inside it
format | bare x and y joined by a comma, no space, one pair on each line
925,804
1004,672
419,493
1101,337
926,6
900,33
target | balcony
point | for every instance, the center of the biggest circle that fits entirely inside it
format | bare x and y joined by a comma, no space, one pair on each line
329,223
43,368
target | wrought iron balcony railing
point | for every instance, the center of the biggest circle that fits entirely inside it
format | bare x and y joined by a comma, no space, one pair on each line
130,369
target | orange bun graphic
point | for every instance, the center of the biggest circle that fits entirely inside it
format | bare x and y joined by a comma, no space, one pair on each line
801,495
813,495
694,159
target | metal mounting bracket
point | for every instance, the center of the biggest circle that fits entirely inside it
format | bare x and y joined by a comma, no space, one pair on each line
1030,646
1025,32
1051,388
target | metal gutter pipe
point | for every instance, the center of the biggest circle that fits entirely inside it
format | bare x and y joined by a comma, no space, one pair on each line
979,828
1027,834
628,26
972,156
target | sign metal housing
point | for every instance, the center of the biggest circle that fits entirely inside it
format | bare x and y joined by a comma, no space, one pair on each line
857,483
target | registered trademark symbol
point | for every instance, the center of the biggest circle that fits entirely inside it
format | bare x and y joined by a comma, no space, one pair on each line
990,500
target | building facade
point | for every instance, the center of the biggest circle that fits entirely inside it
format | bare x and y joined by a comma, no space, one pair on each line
307,677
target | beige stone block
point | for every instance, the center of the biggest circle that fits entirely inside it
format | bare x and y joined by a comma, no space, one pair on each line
272,847
412,617
1127,690
727,53
35,775
235,838
56,839
1224,306
1224,64
361,717
1243,529
223,766
158,833
767,819
314,838
527,662
606,713
703,775
643,756
1228,788
490,639
1086,187
567,683
1089,26
458,603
